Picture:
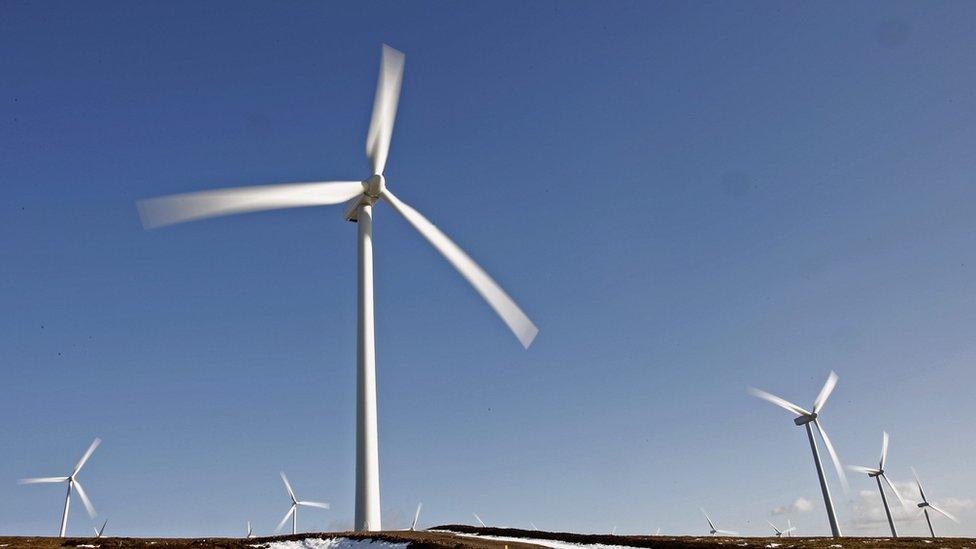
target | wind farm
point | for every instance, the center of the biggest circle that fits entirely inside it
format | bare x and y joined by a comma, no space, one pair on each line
695,208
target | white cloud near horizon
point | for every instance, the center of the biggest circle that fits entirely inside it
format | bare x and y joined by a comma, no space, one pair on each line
799,505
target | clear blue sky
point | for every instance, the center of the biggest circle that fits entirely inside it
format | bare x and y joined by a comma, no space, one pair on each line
687,199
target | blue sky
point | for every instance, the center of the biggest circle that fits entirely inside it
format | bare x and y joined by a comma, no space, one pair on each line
687,199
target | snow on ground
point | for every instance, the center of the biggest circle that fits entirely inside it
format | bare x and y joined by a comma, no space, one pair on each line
331,543
554,544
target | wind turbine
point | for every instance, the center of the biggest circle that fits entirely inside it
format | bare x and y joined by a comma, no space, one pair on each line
781,533
879,474
713,530
100,531
72,484
249,533
479,520
416,516
805,418
361,196
790,528
295,504
925,505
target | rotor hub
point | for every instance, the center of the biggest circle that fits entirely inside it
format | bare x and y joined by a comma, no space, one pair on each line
374,186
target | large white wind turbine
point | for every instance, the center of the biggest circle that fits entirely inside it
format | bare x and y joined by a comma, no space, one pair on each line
73,483
293,510
879,474
361,196
713,530
925,505
805,418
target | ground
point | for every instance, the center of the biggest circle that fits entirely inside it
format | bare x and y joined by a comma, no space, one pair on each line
459,536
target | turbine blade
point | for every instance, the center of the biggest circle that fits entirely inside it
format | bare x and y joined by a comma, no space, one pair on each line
773,526
84,499
102,529
318,504
248,528
42,480
895,491
788,530
479,520
950,517
384,108
84,458
919,484
504,306
862,469
884,450
825,392
96,531
833,456
291,493
781,402
416,516
179,208
287,516
710,525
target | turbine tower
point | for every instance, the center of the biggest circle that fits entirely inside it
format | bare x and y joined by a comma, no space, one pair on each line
293,510
805,418
73,483
713,530
925,505
361,196
879,474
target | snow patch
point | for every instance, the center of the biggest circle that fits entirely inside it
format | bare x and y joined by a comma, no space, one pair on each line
331,543
553,544
91,546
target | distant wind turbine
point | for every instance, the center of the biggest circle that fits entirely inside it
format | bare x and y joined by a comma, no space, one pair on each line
249,534
100,531
805,418
713,530
925,505
532,524
72,484
879,474
416,516
361,196
780,533
295,504
479,520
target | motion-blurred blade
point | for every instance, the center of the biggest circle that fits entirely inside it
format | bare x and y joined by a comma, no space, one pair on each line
84,499
833,456
479,520
781,402
179,208
950,517
773,526
42,480
84,458
291,493
788,530
384,108
895,491
318,504
287,516
504,306
884,450
710,525
416,516
825,392
102,529
862,469
919,484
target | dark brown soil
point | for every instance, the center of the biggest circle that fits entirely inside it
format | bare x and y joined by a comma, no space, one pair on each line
444,537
